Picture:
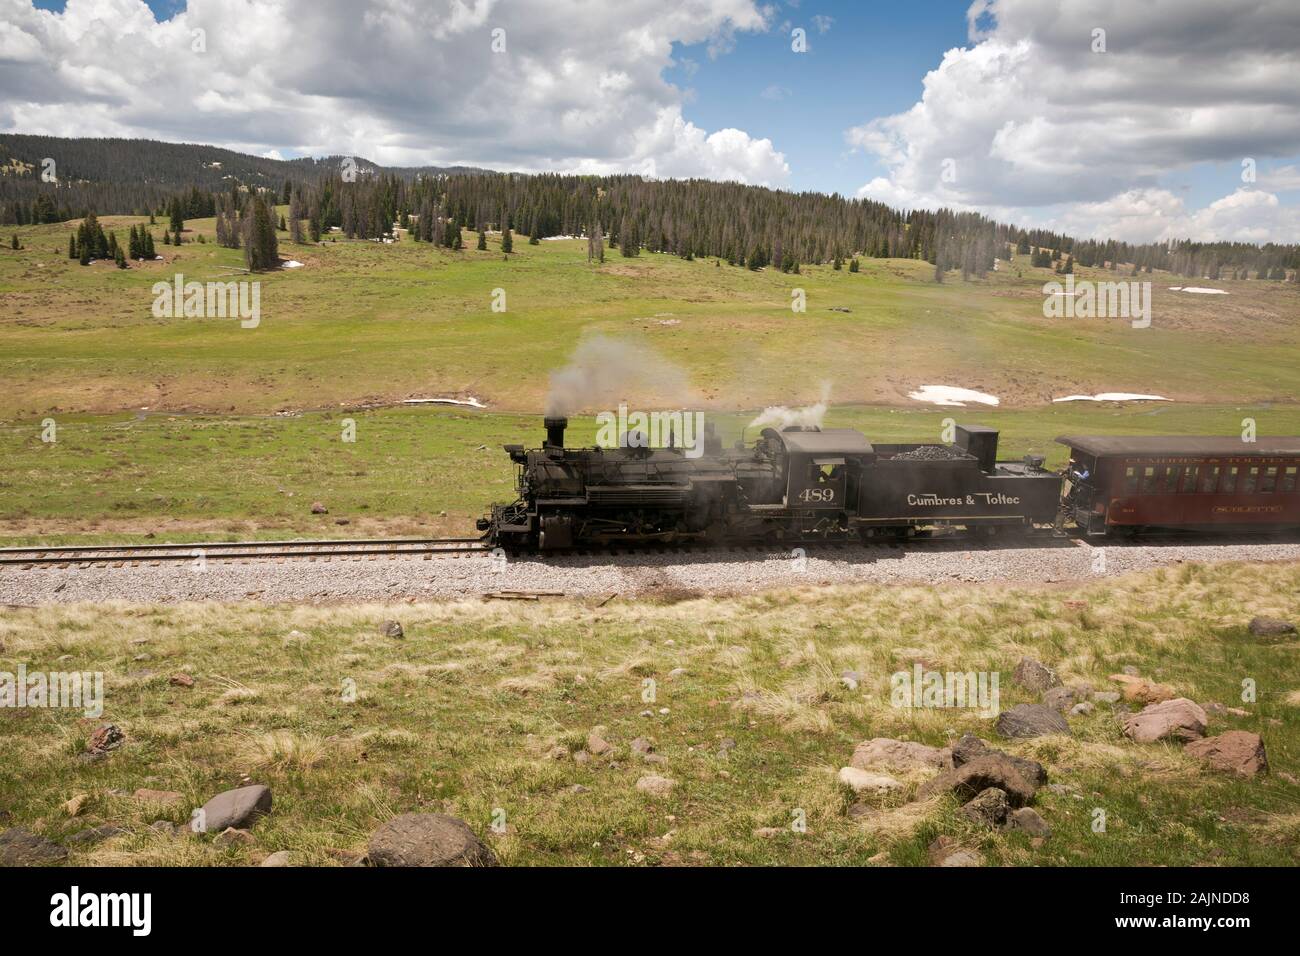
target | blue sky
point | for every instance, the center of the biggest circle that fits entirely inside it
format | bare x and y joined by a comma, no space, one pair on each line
1142,139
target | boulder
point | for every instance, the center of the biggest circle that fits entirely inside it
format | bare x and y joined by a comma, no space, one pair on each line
863,781
969,747
1270,627
181,680
642,745
1177,719
22,847
318,508
95,834
233,837
278,858
1139,690
392,629
1031,720
987,808
899,755
1236,751
655,785
945,851
598,745
1028,820
1062,699
428,839
237,808
1035,676
975,776
104,739
1106,697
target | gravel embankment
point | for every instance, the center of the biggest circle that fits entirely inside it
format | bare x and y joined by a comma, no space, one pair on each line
711,573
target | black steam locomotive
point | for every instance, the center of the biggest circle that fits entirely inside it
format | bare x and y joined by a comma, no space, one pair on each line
797,484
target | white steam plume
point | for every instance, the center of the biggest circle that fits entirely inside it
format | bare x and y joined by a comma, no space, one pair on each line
604,371
781,416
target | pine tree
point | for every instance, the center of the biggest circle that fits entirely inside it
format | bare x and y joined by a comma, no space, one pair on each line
482,240
72,245
853,264
282,226
14,242
120,258
507,242
837,264
146,245
261,248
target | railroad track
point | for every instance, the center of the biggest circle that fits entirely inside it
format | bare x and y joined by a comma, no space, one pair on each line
324,550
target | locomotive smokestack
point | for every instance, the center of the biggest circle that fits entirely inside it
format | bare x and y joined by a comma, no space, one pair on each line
555,431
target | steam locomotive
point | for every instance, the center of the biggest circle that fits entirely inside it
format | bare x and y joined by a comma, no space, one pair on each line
809,484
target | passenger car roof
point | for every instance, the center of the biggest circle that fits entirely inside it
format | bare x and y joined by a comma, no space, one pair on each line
1115,446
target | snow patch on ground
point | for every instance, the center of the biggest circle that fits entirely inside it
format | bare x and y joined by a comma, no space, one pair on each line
951,395
292,264
470,402
1196,288
1112,397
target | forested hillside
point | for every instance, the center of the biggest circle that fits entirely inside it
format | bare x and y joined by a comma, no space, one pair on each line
743,225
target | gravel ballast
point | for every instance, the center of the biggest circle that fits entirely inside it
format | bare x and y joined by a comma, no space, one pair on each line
708,573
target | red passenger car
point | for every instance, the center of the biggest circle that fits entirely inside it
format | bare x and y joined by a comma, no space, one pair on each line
1129,484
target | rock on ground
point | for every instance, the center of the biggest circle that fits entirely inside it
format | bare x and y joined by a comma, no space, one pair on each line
428,839
987,808
106,738
1270,627
1062,699
22,847
1031,720
899,755
973,777
392,629
1177,719
969,747
1030,821
655,785
945,851
234,808
598,745
278,858
1035,676
860,781
1139,690
1235,751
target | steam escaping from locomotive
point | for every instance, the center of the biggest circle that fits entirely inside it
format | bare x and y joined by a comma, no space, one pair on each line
781,416
602,372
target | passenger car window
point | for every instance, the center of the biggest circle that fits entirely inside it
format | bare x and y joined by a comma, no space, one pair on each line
1250,480
1148,480
1229,483
1268,479
1289,478
1209,479
1130,480
1188,483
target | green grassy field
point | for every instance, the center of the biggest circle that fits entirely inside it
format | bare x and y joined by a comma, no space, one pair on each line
203,427
481,707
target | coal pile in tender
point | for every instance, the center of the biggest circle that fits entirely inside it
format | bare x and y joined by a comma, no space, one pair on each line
930,453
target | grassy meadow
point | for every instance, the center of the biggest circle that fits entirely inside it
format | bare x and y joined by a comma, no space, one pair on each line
482,707
201,427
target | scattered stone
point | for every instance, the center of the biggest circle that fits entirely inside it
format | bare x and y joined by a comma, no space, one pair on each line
233,837
1270,627
1235,751
1106,697
989,770
392,629
1030,821
1080,709
945,851
1177,719
988,808
165,797
597,745
1031,720
318,508
676,672
557,753
1035,676
22,847
581,757
969,747
899,755
95,835
860,781
655,785
428,839
278,858
234,808
1062,699
107,738
1139,690
726,743
851,679
181,680
642,745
